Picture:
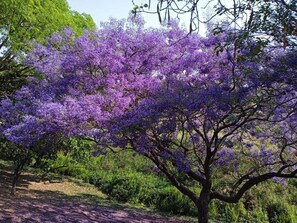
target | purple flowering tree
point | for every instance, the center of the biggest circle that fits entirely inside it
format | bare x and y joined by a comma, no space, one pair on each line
225,121
228,128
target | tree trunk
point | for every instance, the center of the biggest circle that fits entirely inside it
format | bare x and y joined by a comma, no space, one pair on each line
17,172
203,207
14,182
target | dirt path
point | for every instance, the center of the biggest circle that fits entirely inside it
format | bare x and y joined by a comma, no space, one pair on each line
65,202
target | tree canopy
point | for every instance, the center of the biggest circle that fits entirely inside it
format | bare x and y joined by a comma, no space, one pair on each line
25,22
195,113
271,20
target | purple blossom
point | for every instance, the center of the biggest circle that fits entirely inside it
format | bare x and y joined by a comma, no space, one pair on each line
227,158
279,180
229,144
181,161
166,96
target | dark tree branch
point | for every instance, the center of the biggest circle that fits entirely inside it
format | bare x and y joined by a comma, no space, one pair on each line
250,183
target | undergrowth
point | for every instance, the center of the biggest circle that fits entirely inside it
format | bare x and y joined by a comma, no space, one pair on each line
129,177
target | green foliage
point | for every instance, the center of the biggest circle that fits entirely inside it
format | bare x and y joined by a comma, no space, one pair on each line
8,151
125,161
173,201
255,205
78,149
128,177
125,179
24,22
66,165
124,187
278,212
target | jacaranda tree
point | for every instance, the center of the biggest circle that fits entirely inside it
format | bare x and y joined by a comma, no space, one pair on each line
226,121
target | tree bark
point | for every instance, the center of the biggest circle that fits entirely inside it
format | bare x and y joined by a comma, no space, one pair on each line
17,172
203,206
16,176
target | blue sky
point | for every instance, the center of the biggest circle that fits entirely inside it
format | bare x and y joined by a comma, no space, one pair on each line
102,10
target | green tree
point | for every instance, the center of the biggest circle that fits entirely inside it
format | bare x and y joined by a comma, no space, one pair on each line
24,22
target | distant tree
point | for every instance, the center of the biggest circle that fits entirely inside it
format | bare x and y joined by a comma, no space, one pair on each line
25,22
224,121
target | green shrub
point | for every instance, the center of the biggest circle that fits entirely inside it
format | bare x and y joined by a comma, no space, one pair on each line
278,213
125,188
150,189
128,177
146,189
122,187
173,201
104,183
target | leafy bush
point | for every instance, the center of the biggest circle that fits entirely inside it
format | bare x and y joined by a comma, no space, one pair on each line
173,201
278,213
150,189
127,177
125,188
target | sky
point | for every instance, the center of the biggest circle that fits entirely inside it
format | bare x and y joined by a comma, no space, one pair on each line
102,10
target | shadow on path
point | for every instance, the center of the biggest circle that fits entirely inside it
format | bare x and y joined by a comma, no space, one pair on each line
32,205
